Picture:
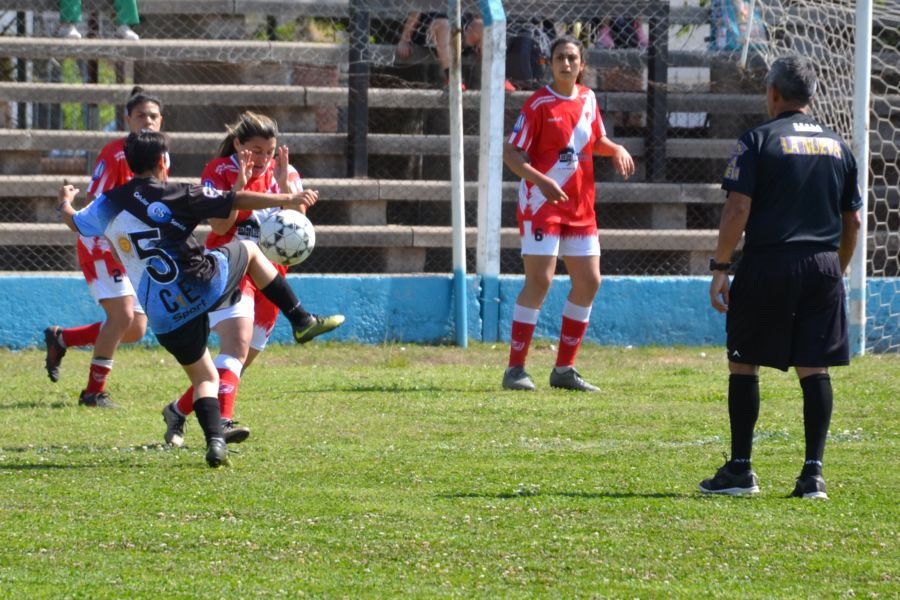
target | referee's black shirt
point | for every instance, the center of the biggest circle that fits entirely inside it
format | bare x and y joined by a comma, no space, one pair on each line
800,175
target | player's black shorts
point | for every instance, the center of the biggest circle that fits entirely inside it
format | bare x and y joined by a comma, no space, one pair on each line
787,307
188,342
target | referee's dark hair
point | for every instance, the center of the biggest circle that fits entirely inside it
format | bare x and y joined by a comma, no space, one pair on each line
144,149
794,77
138,97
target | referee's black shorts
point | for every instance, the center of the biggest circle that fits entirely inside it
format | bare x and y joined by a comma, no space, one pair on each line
188,342
787,308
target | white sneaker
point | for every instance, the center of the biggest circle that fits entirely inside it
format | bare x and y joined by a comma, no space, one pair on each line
69,31
126,33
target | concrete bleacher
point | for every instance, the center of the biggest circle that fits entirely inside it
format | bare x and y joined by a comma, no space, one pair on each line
359,216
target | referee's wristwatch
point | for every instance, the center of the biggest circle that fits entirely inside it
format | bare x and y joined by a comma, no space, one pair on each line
717,266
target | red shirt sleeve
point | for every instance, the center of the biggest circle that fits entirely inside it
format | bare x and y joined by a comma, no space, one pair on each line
215,178
526,129
111,170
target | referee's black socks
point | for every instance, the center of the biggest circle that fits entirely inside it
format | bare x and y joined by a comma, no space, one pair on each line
282,296
817,405
743,410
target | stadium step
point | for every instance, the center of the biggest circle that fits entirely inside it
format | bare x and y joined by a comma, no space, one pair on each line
314,96
403,236
390,190
394,144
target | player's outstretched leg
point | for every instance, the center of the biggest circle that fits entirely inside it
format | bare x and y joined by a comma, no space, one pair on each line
273,286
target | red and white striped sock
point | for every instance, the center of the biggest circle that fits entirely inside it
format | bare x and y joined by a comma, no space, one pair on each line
100,368
524,321
574,323
229,369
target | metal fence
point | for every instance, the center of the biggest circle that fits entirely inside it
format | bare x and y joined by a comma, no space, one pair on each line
668,77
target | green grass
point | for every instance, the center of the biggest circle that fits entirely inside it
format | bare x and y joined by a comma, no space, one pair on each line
383,471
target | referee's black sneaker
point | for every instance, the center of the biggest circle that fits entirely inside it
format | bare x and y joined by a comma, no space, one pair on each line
216,452
55,352
811,487
96,400
731,484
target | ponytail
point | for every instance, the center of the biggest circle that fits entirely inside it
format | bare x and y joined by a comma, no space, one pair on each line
249,125
138,97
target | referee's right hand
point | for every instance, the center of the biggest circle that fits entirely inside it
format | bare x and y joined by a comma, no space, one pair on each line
718,291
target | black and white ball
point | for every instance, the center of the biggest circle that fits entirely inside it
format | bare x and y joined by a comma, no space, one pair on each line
287,237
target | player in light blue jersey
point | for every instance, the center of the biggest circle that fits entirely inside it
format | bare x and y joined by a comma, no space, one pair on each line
150,223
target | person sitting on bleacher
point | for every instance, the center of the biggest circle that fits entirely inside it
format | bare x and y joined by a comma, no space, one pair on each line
126,16
426,30
432,30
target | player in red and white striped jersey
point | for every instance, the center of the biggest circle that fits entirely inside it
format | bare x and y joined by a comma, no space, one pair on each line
125,319
251,160
551,148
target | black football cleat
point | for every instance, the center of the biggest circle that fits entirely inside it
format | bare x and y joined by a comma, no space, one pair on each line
55,352
216,452
727,483
233,434
96,400
570,379
316,325
174,435
516,378
811,487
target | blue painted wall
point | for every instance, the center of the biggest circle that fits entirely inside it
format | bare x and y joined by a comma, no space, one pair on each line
628,310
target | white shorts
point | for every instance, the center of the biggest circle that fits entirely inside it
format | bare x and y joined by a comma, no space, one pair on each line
107,287
244,309
568,242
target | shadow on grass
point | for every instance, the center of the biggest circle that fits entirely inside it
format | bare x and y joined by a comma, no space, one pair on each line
47,467
85,449
26,405
588,495
393,389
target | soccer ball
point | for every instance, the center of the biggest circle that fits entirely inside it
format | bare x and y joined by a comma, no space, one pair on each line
287,237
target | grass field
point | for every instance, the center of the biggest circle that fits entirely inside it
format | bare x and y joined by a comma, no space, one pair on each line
384,471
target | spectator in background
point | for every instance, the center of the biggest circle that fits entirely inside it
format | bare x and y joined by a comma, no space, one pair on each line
432,30
426,29
621,32
126,16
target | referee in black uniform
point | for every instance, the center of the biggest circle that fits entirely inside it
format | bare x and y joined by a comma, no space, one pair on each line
792,190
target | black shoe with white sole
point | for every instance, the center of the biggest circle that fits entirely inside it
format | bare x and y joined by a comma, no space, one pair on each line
174,435
810,487
731,484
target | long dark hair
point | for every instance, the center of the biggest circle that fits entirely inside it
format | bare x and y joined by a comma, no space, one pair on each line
138,97
568,39
249,125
